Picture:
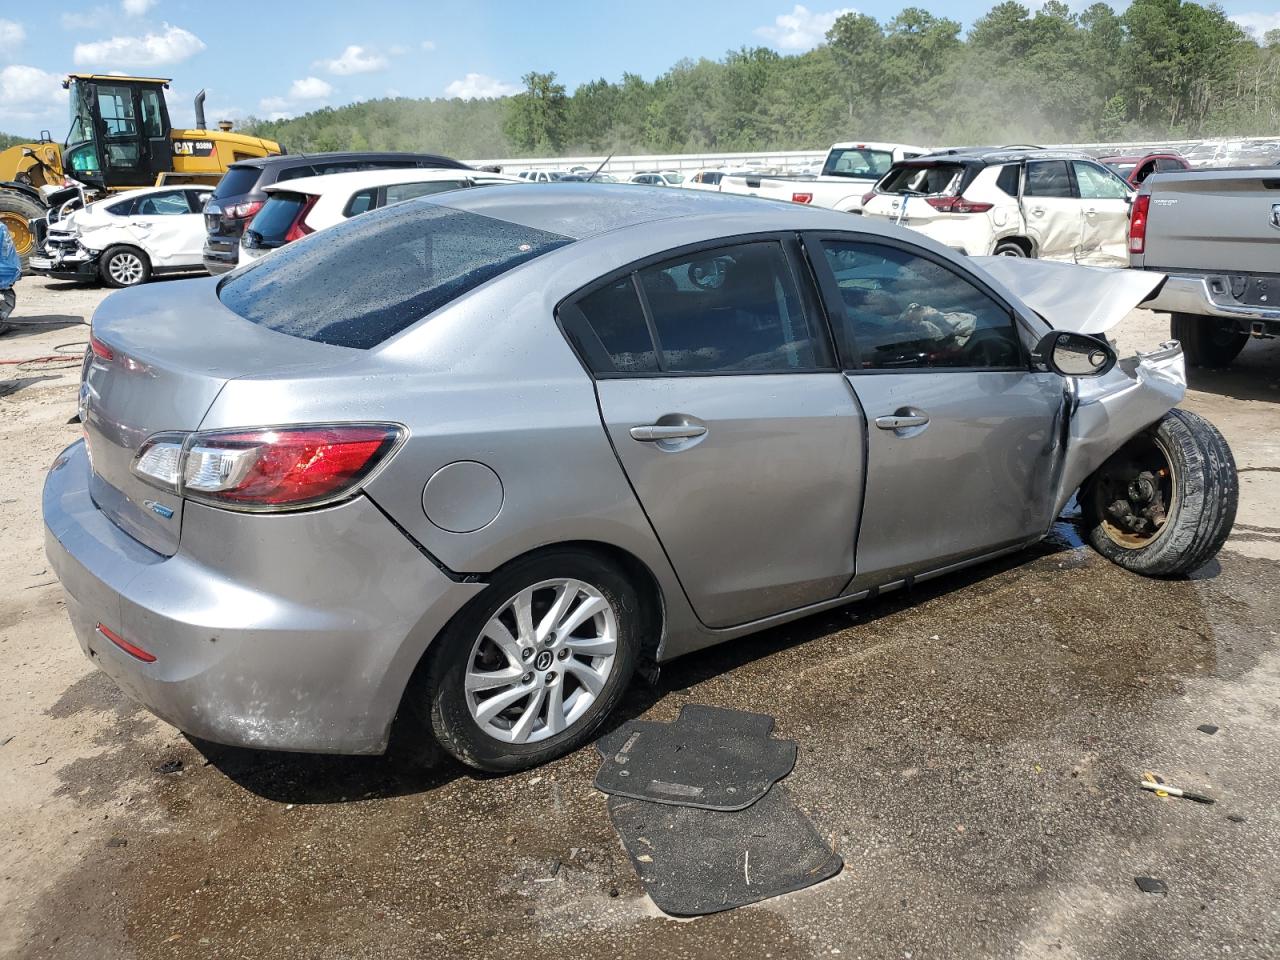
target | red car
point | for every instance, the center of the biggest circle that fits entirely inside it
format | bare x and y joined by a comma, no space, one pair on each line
1137,169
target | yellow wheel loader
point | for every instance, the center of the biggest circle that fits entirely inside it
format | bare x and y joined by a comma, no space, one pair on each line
120,138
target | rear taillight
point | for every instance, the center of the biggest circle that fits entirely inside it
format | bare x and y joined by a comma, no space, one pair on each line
802,198
243,211
957,205
1138,224
100,349
275,468
298,229
867,197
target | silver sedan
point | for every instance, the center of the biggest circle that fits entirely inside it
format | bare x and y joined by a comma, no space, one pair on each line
463,464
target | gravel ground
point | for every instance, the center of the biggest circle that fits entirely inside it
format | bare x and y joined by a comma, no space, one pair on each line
972,749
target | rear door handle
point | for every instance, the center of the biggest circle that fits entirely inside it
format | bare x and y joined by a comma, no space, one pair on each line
654,432
901,422
1038,211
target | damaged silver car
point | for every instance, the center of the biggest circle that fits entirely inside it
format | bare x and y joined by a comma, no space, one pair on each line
463,464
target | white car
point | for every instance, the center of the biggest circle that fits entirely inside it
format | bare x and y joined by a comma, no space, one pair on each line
1011,202
704,180
295,208
542,176
127,239
658,178
850,170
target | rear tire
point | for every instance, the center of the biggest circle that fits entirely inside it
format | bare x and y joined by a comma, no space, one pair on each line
443,701
1207,341
1010,248
15,211
124,267
1164,503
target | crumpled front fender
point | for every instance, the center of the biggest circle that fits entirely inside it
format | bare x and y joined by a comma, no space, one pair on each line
1110,410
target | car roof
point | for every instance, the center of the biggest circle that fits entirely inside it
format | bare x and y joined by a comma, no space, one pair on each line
355,179
286,160
992,156
582,210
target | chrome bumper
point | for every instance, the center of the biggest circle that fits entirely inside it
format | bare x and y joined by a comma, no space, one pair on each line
1207,296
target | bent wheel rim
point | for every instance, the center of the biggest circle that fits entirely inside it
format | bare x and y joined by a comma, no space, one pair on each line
125,268
541,661
1123,501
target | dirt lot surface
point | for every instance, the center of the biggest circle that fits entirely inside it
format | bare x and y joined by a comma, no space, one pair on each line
972,749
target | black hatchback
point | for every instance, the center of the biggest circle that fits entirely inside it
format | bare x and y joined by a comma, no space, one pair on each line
240,193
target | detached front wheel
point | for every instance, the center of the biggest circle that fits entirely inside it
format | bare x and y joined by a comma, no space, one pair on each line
1164,503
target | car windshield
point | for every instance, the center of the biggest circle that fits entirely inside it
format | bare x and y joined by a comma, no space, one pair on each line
1124,169
365,280
922,180
860,162
675,177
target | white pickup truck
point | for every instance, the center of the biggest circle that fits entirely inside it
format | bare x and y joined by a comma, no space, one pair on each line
1216,235
850,170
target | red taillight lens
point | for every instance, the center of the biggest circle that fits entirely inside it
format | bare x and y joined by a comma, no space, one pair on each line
243,211
298,229
957,205
100,349
284,468
131,649
1138,224
802,198
867,197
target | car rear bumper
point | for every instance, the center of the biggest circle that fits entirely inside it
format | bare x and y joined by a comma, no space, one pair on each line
289,631
221,255
1209,296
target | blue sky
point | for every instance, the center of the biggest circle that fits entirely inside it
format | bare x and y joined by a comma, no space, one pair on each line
277,59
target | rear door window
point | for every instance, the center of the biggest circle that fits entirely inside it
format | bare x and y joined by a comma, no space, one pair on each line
1007,181
366,279
609,329
1048,178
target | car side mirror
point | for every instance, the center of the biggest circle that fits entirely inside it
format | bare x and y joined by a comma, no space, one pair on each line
1073,354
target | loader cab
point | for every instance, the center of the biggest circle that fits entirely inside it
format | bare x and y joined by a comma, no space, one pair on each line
120,134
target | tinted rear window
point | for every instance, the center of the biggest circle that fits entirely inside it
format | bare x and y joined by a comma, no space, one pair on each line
277,215
236,182
926,181
368,278
857,162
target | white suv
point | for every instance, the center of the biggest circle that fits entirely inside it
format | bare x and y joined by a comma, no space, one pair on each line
1012,202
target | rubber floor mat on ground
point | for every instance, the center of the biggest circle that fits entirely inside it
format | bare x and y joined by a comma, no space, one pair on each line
693,861
709,757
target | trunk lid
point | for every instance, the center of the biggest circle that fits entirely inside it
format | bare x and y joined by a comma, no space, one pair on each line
1224,221
164,353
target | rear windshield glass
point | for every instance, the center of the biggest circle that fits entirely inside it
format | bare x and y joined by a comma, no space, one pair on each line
925,181
277,215
857,162
368,278
236,182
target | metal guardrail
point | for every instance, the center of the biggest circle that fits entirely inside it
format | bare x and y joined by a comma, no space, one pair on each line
778,160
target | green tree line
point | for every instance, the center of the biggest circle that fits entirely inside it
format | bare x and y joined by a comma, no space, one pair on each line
1162,69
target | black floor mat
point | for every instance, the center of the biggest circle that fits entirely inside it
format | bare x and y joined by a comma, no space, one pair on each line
710,758
694,862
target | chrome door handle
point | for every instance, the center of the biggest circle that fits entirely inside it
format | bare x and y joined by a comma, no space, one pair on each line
655,432
900,423
1038,211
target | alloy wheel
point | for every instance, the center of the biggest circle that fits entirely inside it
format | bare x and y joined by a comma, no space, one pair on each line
125,268
541,661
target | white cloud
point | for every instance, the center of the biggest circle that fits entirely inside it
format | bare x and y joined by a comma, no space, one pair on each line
136,8
1258,23
273,104
29,91
802,28
478,86
428,45
173,45
354,59
11,36
309,88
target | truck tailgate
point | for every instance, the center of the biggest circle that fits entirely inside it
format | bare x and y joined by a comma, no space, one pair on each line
1214,220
